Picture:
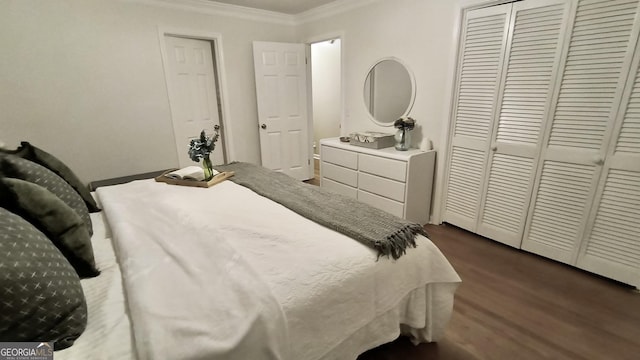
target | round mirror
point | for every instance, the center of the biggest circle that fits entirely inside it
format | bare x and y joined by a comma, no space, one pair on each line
389,91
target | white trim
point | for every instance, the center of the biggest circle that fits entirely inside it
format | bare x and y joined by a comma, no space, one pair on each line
438,209
216,38
325,37
310,128
472,4
248,13
216,8
343,74
330,9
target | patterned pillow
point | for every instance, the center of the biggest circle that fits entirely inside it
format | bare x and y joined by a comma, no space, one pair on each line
42,299
30,152
54,218
19,168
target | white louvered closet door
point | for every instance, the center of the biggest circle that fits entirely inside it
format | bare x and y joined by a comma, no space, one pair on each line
531,64
612,243
483,41
576,143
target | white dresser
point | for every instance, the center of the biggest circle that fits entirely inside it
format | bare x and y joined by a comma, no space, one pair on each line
398,182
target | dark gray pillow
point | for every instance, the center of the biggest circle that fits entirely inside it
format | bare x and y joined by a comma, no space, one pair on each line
42,299
32,153
19,168
54,218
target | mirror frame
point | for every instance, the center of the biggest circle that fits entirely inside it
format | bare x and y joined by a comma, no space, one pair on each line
413,89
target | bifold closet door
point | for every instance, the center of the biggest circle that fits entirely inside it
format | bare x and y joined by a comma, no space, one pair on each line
496,142
612,243
536,38
483,41
594,73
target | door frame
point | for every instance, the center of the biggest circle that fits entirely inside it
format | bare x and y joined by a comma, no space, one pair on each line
216,44
316,39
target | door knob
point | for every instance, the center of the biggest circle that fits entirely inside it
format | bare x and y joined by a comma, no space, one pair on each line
598,160
264,126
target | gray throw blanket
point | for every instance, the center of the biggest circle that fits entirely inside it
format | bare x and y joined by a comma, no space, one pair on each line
386,233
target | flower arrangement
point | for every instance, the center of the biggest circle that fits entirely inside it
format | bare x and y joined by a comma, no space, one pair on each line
201,148
403,136
404,123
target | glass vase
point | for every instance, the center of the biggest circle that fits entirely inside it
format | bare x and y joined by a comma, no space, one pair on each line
207,167
403,139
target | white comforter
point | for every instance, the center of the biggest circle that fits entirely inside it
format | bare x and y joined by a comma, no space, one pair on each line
224,271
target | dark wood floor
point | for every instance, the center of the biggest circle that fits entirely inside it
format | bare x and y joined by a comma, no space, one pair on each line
516,305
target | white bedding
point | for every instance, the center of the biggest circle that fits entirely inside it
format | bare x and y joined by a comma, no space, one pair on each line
335,299
108,332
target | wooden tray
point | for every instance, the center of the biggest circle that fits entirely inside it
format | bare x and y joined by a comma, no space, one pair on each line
204,184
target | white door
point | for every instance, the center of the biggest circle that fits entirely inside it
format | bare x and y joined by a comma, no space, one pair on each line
192,94
531,63
611,246
484,39
576,143
283,111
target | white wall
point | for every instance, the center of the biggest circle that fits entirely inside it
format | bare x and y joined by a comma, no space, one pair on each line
84,80
327,113
423,34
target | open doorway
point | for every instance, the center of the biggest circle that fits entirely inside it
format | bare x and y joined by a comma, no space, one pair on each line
326,91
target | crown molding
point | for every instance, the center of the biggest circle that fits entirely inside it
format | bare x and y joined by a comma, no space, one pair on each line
216,8
247,13
330,9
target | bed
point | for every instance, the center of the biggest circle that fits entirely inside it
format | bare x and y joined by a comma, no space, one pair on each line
222,272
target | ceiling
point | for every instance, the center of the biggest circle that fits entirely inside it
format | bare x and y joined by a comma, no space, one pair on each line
282,6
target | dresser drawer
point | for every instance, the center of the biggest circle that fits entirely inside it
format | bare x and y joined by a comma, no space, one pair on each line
389,168
382,186
340,188
382,203
339,174
348,159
